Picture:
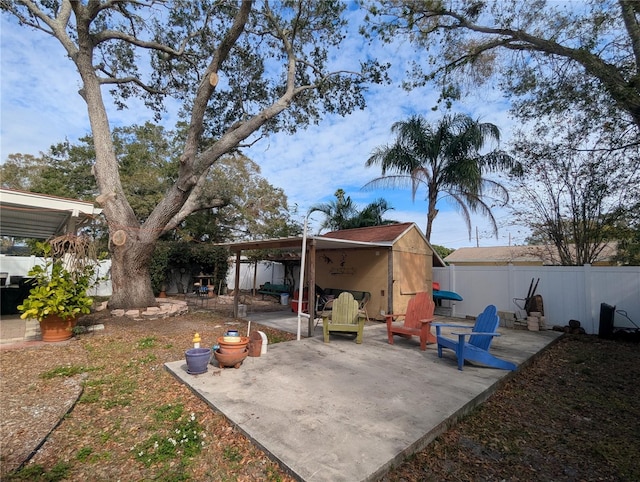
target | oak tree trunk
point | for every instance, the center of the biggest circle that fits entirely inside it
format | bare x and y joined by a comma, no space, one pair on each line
130,274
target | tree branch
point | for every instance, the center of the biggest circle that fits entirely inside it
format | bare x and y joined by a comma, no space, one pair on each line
624,93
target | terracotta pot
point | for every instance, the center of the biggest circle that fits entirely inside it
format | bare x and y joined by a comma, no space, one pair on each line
54,328
230,359
233,347
255,345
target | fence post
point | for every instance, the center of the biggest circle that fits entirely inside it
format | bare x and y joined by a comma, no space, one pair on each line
510,284
587,273
452,280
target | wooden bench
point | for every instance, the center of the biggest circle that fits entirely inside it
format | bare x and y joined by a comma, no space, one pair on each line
273,289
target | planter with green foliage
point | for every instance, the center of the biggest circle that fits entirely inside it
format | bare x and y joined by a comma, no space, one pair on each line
59,292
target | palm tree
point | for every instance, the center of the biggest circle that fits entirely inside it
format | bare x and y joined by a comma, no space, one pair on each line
343,213
371,215
446,158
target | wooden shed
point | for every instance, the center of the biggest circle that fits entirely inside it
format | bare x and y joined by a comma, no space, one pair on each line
396,266
392,262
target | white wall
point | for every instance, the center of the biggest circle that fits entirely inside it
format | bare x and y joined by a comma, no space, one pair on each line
21,265
568,292
268,271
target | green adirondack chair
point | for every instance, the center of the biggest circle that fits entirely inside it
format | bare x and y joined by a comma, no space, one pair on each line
345,317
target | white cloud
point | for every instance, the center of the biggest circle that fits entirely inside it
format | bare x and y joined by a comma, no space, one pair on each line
41,106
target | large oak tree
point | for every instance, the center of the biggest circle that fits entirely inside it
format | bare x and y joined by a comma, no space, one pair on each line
241,69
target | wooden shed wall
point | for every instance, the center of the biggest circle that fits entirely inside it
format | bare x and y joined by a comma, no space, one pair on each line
412,269
359,270
367,269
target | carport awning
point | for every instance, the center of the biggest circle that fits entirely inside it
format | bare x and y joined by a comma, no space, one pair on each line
295,243
31,215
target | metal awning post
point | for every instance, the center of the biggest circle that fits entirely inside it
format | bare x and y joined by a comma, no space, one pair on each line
303,260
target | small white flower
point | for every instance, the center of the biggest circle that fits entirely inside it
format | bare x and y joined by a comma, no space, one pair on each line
140,454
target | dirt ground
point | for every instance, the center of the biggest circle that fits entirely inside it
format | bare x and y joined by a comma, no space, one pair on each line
113,412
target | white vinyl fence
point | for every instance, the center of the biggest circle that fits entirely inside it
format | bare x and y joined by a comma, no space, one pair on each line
267,271
568,292
20,266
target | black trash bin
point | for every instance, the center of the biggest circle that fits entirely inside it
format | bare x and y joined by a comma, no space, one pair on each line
607,314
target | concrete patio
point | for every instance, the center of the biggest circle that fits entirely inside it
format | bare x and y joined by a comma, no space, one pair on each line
340,411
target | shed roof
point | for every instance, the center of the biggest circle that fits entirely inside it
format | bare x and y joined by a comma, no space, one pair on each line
372,237
385,234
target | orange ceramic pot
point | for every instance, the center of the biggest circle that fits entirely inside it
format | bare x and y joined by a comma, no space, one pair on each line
228,347
54,328
231,359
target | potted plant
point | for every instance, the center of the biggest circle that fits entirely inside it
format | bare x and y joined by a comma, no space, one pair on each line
60,286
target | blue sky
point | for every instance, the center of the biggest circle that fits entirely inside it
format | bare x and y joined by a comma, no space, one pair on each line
40,106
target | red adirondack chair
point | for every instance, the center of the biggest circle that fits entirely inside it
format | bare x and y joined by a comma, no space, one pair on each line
415,322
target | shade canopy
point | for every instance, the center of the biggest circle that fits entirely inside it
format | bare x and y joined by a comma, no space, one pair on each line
295,243
30,215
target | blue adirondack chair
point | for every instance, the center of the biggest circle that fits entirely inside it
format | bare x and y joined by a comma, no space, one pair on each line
476,349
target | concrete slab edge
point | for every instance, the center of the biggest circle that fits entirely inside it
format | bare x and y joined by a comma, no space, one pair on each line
442,427
273,457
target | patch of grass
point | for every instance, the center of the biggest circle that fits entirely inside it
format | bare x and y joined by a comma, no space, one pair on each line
113,391
63,371
83,454
125,386
273,475
92,397
276,338
116,402
148,342
169,412
36,472
232,454
183,441
580,359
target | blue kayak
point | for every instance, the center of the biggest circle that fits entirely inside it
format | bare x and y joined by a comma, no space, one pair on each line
446,295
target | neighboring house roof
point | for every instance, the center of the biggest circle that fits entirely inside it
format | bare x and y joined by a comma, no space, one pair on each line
537,254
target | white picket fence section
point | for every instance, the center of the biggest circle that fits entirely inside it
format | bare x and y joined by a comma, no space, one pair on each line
568,292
